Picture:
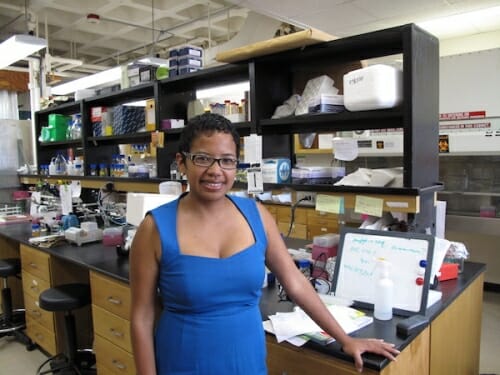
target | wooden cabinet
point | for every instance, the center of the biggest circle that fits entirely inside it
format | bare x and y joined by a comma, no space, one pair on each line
10,249
111,313
40,271
307,221
40,325
439,349
319,223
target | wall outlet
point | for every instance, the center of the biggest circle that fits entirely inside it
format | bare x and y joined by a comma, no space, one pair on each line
304,194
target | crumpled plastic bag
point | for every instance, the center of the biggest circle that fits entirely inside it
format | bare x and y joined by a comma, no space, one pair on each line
287,108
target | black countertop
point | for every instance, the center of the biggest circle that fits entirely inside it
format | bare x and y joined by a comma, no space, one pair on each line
103,259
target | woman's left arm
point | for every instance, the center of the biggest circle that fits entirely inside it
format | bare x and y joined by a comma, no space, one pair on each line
303,294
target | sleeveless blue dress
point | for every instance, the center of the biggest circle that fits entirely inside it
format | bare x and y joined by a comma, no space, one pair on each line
211,322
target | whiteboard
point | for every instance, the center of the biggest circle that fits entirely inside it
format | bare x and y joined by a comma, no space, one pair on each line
356,270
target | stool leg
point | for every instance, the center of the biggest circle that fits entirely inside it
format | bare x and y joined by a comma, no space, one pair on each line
7,304
70,336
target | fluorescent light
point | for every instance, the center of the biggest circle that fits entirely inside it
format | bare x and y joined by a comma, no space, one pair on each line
474,22
218,91
151,60
19,47
106,76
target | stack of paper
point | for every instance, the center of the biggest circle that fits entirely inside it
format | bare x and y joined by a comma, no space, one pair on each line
297,327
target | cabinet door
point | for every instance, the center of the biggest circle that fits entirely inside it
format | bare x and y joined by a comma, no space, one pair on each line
111,295
112,360
298,230
112,327
285,359
35,262
285,215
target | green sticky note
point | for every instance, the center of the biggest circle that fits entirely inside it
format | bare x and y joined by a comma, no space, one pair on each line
329,203
369,206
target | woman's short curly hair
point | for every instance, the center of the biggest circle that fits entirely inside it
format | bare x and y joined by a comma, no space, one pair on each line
207,123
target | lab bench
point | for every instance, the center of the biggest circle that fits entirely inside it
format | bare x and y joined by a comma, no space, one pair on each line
448,345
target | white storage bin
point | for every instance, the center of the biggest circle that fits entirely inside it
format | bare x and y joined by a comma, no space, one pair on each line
375,87
326,240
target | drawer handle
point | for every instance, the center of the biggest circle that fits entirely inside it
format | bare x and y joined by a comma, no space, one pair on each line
39,336
36,313
118,364
114,301
34,265
34,288
116,333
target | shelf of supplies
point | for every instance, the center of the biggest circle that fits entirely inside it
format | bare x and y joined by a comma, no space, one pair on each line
90,182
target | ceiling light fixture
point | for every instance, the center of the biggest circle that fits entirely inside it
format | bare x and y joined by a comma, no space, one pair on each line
97,79
19,47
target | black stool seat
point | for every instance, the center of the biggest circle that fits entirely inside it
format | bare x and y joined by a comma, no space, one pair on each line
65,297
10,267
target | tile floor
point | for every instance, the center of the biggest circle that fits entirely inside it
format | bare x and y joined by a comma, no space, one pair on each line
15,359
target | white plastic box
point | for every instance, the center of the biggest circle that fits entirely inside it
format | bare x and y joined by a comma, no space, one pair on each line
374,87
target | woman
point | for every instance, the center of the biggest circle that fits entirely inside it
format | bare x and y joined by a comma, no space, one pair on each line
206,252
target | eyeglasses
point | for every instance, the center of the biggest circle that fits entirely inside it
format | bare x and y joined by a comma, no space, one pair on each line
202,160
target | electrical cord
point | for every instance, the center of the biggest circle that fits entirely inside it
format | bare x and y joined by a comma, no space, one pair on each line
292,216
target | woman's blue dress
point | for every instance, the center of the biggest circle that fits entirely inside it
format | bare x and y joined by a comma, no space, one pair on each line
211,322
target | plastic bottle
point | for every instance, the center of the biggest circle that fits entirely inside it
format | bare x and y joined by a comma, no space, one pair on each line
384,292
76,127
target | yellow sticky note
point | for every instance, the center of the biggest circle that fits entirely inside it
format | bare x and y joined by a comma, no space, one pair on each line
369,206
330,203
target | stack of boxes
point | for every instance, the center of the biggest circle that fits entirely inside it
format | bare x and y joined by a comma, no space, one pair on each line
184,60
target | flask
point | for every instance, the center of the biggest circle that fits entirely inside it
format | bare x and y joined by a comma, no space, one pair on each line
61,164
384,290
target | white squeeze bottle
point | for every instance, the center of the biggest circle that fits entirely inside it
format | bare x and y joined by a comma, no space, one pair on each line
384,292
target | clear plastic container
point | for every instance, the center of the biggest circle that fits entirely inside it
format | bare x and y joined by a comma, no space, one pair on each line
326,240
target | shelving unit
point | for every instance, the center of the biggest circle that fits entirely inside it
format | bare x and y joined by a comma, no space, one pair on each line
273,79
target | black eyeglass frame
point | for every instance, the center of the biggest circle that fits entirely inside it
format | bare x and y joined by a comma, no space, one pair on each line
191,157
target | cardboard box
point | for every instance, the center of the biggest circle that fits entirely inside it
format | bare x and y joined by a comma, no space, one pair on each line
267,47
276,171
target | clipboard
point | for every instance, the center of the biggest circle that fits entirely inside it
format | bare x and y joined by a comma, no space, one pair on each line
410,254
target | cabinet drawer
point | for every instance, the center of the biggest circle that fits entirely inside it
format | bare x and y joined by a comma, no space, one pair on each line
42,336
112,359
35,262
318,217
285,215
272,210
33,285
298,230
38,315
112,327
318,230
111,295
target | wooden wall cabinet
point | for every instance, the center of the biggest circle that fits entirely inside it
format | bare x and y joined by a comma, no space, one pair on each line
41,271
111,313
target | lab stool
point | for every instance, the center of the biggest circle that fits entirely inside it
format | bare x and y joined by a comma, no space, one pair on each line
66,298
12,321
